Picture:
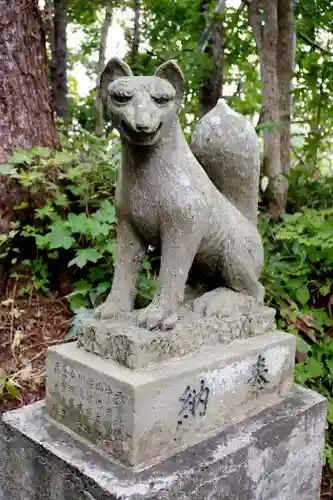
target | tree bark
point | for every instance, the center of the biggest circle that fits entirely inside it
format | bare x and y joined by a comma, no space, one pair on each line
59,59
271,108
48,21
275,108
99,68
136,33
25,103
211,88
286,55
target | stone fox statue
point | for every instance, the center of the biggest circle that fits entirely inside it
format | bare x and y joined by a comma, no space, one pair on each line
166,199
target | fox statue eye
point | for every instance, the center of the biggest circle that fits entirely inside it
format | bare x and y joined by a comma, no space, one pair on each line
121,98
163,99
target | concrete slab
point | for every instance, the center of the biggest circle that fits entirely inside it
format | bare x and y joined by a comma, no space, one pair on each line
275,455
143,417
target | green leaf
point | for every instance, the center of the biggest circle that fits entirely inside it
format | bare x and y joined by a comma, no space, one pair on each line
302,345
63,157
270,125
110,247
61,200
77,302
315,368
330,460
42,152
46,211
106,213
329,364
8,170
12,389
85,255
77,223
21,206
97,228
294,283
146,265
301,374
330,410
325,289
20,156
41,241
102,287
60,237
82,286
302,295
53,255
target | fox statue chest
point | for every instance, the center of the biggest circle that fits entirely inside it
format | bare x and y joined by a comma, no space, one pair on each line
142,204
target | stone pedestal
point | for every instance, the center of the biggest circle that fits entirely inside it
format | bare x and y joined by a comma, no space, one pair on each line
144,416
131,414
275,455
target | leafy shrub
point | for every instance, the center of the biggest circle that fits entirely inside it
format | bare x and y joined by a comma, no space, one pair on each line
309,188
298,276
67,225
298,272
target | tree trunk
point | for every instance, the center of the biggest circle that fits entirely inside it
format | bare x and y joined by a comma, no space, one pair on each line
136,33
99,68
25,104
285,67
48,21
59,59
274,108
271,108
211,88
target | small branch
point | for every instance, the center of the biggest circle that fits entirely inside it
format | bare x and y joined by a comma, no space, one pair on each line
136,32
298,156
255,22
37,356
99,68
319,110
314,44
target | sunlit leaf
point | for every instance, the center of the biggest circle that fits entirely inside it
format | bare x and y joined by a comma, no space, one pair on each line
85,255
12,389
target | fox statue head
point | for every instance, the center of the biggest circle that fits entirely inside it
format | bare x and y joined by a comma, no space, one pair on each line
141,107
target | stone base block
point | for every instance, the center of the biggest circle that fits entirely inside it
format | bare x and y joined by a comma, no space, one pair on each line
276,455
145,416
136,347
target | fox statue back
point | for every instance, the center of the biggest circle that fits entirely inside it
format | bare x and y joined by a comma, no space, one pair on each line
226,145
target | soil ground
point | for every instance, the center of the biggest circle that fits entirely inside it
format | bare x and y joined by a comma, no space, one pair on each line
28,326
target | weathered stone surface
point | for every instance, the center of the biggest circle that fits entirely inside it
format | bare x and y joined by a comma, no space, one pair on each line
276,455
166,199
226,144
136,347
144,416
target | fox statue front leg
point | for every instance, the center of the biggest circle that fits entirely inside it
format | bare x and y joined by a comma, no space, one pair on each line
179,246
130,253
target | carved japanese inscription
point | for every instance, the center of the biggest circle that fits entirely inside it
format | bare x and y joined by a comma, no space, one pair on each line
259,379
92,408
193,403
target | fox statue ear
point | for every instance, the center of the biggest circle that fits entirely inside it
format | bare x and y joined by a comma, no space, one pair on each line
115,68
171,71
